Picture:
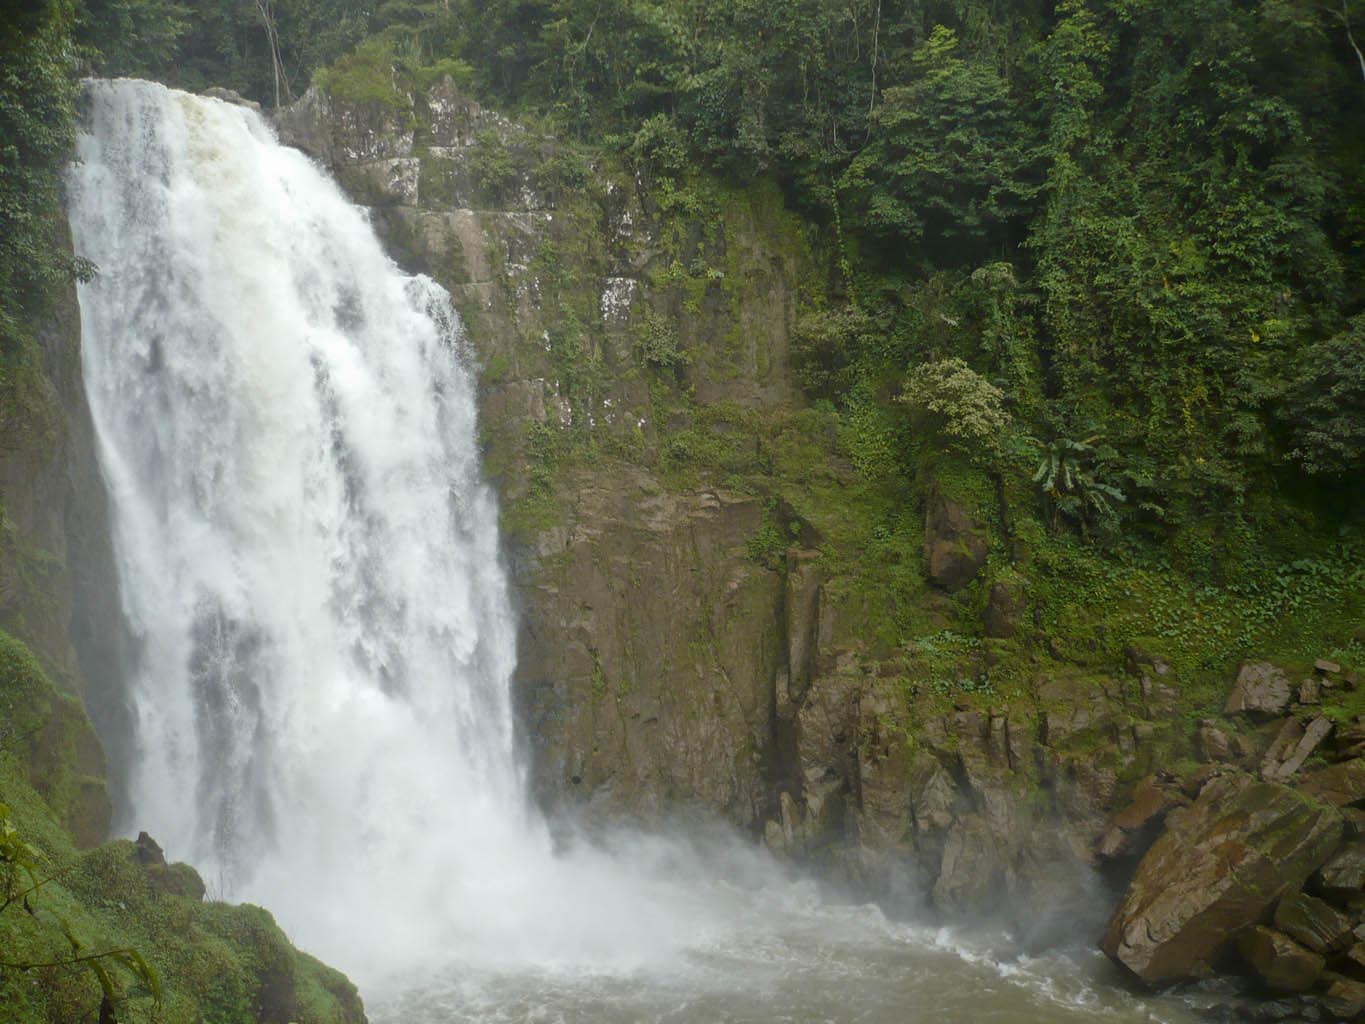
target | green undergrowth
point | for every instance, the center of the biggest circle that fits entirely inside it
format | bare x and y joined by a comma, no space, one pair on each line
1294,609
851,476
1086,604
378,71
50,737
216,963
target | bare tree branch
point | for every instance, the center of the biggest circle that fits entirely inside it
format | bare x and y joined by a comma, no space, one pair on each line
1350,36
876,47
266,10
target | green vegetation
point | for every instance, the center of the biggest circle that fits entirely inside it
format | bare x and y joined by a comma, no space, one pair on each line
37,91
20,886
98,934
1093,271
1142,222
1099,265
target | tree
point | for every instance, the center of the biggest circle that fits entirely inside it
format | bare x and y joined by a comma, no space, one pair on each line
1324,405
945,161
37,96
964,409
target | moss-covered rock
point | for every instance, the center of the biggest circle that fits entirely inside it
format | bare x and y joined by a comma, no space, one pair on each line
215,962
58,591
1221,866
50,737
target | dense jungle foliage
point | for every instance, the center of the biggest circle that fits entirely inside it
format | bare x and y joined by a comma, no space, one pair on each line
1112,247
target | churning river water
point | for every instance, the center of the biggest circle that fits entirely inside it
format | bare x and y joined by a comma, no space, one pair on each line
309,562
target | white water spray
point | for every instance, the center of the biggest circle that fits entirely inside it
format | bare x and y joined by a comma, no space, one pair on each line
308,558
308,555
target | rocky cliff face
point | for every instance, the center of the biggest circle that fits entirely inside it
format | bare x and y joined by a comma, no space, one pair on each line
690,638
713,620
58,587
651,641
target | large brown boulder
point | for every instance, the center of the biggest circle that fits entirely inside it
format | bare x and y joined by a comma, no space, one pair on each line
1152,800
1218,868
1341,784
1343,877
1292,747
1353,963
1345,998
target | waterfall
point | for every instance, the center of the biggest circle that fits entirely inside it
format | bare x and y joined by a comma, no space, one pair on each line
307,552
308,560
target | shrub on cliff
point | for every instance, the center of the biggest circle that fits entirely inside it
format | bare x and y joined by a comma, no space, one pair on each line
960,406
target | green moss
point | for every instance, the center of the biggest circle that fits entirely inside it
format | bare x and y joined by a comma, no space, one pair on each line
49,734
599,679
217,963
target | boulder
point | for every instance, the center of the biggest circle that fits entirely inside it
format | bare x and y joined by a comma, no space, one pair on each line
1213,744
176,880
1262,689
955,546
1343,877
1354,820
1218,868
1341,784
1345,997
1293,758
1004,609
1349,739
1287,737
148,851
1281,963
1152,801
1316,924
1353,961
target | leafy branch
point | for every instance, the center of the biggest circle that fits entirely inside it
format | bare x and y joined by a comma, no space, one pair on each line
1066,479
19,860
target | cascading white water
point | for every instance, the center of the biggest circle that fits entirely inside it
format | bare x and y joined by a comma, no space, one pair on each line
308,558
308,555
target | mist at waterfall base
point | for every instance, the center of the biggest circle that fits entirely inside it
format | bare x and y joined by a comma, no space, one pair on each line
309,562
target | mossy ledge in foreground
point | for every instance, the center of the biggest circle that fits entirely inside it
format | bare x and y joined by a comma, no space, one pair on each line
217,963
